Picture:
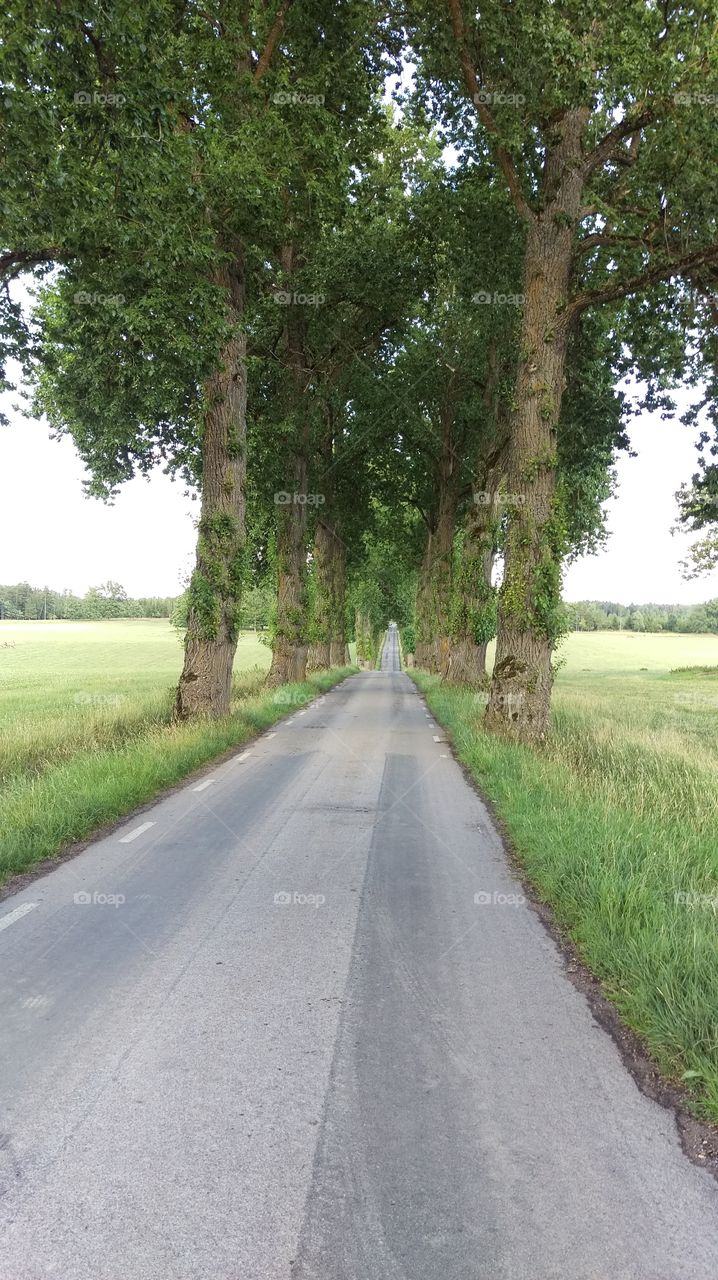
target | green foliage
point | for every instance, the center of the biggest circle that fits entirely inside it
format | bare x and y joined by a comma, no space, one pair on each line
531,591
408,638
590,615
107,601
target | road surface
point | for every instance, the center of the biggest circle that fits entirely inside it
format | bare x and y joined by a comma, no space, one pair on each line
305,1027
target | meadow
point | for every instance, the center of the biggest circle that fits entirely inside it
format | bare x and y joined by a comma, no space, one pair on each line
85,725
615,822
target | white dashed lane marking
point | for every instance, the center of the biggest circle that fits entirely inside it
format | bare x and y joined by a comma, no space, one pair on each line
203,785
137,832
17,914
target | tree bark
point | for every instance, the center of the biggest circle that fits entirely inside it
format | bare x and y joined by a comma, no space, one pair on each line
338,649
442,576
433,600
366,646
473,611
529,599
320,650
291,644
205,685
473,615
424,620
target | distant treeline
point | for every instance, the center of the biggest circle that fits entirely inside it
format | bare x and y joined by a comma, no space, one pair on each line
110,600
606,615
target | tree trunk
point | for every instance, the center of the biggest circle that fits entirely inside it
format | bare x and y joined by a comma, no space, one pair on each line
473,614
474,600
529,600
329,627
290,646
319,656
205,685
366,648
442,576
433,592
338,649
424,619
467,662
433,597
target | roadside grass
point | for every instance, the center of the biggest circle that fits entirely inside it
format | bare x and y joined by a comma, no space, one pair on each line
86,732
71,686
615,821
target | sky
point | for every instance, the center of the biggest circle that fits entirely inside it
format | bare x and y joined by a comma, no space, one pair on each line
52,535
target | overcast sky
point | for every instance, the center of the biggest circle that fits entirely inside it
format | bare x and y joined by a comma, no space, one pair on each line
51,534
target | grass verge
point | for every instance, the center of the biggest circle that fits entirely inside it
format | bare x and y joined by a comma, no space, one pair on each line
616,829
41,812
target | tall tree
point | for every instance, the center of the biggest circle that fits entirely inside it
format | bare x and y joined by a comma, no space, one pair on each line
594,121
151,122
353,278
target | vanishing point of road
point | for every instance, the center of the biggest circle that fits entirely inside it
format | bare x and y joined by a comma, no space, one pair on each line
296,1021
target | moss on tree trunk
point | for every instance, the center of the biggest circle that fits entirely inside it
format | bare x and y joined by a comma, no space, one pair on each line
473,610
205,685
530,596
328,646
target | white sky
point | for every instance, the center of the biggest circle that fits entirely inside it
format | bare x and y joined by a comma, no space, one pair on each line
51,534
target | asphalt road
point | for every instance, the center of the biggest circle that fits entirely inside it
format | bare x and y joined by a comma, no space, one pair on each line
306,1027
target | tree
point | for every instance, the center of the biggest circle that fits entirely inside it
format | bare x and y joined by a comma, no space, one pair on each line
310,429
698,512
141,353
608,164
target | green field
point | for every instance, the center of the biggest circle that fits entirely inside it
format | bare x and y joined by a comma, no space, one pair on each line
616,823
85,732
65,686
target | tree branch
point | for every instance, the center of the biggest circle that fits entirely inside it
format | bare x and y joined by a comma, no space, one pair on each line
473,88
630,128
622,288
611,240
272,38
14,262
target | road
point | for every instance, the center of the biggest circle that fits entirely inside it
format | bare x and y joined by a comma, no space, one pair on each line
306,1027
